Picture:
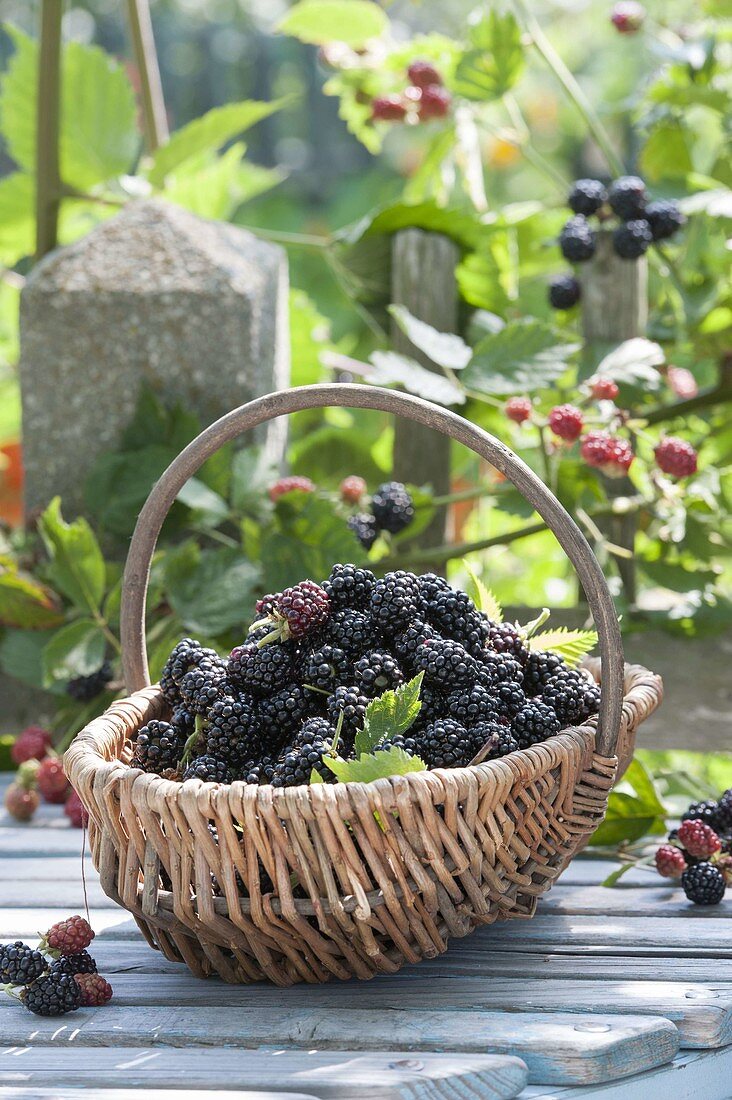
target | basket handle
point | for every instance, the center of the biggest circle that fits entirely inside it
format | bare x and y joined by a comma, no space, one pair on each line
272,405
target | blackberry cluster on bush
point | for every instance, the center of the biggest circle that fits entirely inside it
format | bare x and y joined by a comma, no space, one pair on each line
392,511
320,654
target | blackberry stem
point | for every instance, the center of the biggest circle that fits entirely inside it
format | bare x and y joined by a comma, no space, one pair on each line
337,736
192,740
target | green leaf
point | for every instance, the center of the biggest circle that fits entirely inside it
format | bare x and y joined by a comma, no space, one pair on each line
21,657
569,644
215,186
211,591
640,779
76,650
25,603
617,874
482,596
494,64
77,566
209,509
17,225
251,473
377,765
666,154
633,363
118,485
391,714
354,22
627,819
523,357
444,348
209,132
305,540
391,367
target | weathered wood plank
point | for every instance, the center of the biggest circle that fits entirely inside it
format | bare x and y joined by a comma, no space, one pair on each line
648,901
58,894
563,1048
45,838
390,1075
38,869
24,924
144,1094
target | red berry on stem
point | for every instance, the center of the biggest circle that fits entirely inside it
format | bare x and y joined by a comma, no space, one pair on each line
298,611
604,389
670,862
698,839
518,409
352,489
608,453
434,102
75,811
95,990
31,744
388,108
290,484
423,73
52,782
566,421
682,382
628,16
675,457
20,802
70,936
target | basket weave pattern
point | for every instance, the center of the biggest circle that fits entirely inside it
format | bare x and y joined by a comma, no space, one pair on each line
364,877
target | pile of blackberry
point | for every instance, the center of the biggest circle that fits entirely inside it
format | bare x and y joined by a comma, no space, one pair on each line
699,852
638,223
298,687
392,510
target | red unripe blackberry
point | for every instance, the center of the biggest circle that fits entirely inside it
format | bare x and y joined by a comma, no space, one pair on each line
604,389
94,989
388,108
422,74
567,422
703,884
682,382
75,811
627,16
302,609
518,409
608,453
698,839
52,782
434,102
69,936
670,862
352,489
290,484
20,802
676,457
31,744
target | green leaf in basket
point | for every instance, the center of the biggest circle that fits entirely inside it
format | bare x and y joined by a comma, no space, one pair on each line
77,566
569,644
376,765
391,714
485,600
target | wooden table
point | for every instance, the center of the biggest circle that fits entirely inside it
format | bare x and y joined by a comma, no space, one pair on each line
622,994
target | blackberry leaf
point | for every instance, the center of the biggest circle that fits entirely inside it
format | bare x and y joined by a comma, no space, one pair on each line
482,596
569,644
391,714
376,765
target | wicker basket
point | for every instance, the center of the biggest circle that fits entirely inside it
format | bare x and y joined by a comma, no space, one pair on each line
363,878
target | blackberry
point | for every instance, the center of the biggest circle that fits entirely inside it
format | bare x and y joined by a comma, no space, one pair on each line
352,631
95,990
287,708
509,698
539,669
724,812
477,704
258,771
500,668
183,719
52,995
703,811
317,728
632,239
444,743
351,703
297,763
392,507
209,769
627,197
473,633
326,667
350,586
234,732
571,696
564,292
534,722
364,528
406,644
491,740
85,688
395,601
201,685
703,884
664,218
432,585
433,704
408,744
446,608
83,963
301,609
158,747
506,638
577,240
20,964
446,663
260,669
69,936
587,196
189,656
377,672
169,684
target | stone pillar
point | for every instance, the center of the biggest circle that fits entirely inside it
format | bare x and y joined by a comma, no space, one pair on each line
196,310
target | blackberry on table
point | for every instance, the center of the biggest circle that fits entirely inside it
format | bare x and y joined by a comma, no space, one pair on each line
534,722
571,695
664,218
444,743
364,528
564,292
234,731
492,737
506,638
83,963
392,507
350,586
703,884
632,239
539,669
95,990
20,964
349,701
326,667
377,672
201,685
395,601
261,669
471,705
351,631
587,196
208,769
724,812
86,688
446,663
703,811
158,747
577,240
52,995
627,197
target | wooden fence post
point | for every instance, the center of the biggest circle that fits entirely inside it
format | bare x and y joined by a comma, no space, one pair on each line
423,280
614,309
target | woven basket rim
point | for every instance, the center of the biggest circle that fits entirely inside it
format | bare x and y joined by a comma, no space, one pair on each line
85,747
